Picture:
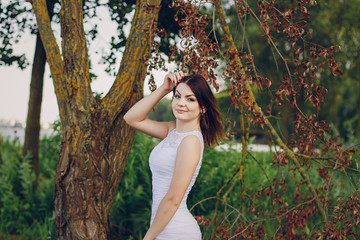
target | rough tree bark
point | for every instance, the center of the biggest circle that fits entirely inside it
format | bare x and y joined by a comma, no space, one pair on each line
96,140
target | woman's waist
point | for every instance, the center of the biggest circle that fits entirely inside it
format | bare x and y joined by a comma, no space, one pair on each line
158,197
156,203
182,210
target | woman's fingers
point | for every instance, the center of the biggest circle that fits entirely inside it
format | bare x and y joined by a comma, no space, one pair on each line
178,76
175,78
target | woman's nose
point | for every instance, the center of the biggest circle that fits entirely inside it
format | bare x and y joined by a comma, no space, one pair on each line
181,101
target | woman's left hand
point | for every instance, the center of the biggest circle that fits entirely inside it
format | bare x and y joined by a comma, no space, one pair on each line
171,80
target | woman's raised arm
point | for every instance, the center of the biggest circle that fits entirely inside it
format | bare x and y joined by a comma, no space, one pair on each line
136,116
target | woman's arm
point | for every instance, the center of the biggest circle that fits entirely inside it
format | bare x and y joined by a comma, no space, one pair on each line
136,116
187,158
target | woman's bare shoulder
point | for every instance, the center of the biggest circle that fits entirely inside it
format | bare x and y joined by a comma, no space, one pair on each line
191,143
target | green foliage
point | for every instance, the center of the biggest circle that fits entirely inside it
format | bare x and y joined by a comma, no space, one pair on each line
10,16
162,111
29,213
132,206
332,22
24,210
217,168
130,216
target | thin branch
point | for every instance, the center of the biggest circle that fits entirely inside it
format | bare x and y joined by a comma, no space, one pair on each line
130,77
228,181
278,217
272,42
257,109
261,166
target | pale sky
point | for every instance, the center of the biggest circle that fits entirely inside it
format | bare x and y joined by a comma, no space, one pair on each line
15,84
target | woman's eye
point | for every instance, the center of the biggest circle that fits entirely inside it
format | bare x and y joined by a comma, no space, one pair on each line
191,99
177,96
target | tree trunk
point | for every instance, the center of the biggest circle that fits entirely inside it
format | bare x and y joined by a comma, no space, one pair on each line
333,103
32,131
96,140
91,164
357,129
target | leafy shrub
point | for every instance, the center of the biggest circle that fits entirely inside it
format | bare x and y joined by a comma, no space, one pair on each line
24,210
130,216
131,211
29,213
16,193
132,207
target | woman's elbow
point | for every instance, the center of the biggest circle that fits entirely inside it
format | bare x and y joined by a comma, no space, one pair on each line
131,122
173,201
128,119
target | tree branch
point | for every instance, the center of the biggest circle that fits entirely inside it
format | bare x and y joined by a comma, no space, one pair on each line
75,55
53,54
257,110
130,77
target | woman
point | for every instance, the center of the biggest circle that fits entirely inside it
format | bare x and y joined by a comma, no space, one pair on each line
175,162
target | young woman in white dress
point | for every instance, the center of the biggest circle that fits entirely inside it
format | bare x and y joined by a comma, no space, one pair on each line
175,162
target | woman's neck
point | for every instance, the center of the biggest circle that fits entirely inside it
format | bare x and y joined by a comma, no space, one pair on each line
183,127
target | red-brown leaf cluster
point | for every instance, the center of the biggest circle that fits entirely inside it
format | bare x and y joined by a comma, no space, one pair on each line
344,156
300,85
298,220
199,51
346,221
308,131
280,159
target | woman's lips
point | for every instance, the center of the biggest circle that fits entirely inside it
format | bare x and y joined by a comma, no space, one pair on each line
180,111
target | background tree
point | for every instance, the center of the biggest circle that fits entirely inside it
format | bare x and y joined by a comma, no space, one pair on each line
337,22
12,18
16,20
33,126
331,23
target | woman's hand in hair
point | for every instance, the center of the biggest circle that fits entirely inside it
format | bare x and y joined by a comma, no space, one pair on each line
171,80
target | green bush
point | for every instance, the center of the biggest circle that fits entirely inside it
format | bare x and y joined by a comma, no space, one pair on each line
131,211
132,206
29,213
130,216
25,211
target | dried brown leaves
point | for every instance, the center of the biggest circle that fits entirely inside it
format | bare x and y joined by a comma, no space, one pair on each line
198,53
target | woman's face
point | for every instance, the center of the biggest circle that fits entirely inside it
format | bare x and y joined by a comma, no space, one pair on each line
184,104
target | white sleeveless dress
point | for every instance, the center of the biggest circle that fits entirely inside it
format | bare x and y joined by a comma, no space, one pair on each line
162,159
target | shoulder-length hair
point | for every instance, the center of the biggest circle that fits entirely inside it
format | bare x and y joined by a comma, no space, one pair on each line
211,120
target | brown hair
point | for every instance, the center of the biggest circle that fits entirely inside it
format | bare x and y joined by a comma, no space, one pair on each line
211,121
